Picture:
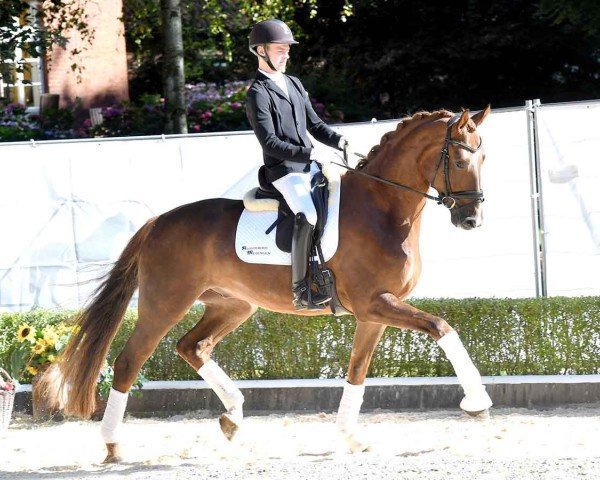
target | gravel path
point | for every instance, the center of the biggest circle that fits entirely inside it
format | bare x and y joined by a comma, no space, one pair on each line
519,444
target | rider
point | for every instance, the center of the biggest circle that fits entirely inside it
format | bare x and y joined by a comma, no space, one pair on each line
280,112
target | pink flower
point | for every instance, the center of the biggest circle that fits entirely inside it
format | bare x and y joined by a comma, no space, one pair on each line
196,128
9,387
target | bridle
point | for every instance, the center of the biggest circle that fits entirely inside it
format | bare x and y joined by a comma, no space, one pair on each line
448,198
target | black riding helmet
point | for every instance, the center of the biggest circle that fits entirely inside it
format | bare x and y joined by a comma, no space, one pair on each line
269,31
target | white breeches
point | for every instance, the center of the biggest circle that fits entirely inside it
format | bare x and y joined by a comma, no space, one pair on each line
295,188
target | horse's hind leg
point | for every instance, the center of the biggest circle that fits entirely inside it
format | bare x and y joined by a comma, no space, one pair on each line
366,338
222,316
155,318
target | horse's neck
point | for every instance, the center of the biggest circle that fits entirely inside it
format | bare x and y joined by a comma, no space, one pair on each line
370,199
400,166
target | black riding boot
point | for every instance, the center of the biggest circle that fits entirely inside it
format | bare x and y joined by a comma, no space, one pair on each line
301,245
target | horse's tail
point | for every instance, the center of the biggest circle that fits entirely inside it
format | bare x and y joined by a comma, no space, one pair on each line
70,383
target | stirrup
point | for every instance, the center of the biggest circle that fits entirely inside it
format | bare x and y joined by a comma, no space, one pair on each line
303,300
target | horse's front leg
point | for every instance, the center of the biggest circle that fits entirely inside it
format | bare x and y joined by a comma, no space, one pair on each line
366,338
222,315
387,309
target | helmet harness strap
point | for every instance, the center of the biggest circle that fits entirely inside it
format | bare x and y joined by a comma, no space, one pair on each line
265,57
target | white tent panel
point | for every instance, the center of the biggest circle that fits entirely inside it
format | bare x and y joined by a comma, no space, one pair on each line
570,173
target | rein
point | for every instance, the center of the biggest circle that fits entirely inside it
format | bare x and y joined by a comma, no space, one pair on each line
448,198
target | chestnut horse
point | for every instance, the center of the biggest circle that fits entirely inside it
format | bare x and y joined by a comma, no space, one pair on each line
188,254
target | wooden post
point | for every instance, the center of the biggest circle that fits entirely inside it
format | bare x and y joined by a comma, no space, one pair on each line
48,102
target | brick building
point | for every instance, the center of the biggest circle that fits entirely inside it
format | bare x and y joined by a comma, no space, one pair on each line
103,76
103,79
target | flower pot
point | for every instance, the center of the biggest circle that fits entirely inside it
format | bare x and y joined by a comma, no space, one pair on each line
7,399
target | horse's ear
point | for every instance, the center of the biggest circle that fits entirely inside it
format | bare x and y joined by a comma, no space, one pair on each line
479,117
463,120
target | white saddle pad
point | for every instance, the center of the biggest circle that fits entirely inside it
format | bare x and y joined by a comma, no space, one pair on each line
252,245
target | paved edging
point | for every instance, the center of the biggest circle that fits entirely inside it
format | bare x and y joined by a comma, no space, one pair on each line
535,391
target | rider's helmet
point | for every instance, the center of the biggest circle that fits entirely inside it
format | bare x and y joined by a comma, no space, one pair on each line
269,31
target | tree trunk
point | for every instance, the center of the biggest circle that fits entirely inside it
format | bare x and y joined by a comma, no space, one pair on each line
173,74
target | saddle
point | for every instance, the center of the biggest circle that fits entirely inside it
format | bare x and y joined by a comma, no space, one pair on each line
319,190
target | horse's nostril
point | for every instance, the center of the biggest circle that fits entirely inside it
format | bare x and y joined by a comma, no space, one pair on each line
469,223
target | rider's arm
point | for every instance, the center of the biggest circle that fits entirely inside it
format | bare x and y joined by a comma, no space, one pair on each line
259,116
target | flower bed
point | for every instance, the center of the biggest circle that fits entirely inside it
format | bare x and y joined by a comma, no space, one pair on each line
17,125
210,108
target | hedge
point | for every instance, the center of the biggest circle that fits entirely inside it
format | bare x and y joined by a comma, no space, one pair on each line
556,335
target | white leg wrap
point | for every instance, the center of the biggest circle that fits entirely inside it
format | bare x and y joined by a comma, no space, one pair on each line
350,404
113,415
476,398
223,386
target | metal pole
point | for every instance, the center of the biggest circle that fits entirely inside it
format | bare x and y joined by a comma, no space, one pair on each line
537,216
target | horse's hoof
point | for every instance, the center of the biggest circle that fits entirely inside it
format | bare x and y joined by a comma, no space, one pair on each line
113,454
356,445
228,426
476,402
481,415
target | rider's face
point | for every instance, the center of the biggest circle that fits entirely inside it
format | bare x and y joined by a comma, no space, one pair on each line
279,54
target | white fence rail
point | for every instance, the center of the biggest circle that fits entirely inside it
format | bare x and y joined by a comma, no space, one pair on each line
69,207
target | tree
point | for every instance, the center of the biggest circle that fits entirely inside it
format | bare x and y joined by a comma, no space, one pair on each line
33,31
582,13
173,74
215,37
390,59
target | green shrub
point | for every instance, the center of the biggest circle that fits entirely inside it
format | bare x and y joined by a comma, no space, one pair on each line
504,337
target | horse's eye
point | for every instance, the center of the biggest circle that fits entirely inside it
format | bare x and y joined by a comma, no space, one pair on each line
461,164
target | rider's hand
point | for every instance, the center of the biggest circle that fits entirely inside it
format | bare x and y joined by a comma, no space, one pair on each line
344,144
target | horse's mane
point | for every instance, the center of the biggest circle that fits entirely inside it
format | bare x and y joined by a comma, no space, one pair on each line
404,126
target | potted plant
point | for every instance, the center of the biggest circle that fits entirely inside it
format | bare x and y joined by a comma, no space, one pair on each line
38,347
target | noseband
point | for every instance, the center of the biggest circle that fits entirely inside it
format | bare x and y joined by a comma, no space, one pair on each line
448,198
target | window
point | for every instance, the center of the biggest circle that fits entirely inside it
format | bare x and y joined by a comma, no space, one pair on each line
21,79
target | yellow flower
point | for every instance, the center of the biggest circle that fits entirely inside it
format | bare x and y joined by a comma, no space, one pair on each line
26,333
40,346
32,370
62,329
50,336
51,358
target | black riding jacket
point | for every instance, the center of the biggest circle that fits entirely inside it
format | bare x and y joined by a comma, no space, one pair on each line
281,125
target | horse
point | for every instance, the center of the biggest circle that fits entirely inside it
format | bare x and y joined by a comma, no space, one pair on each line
187,254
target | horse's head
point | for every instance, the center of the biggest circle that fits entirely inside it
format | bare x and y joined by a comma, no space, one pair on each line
457,172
